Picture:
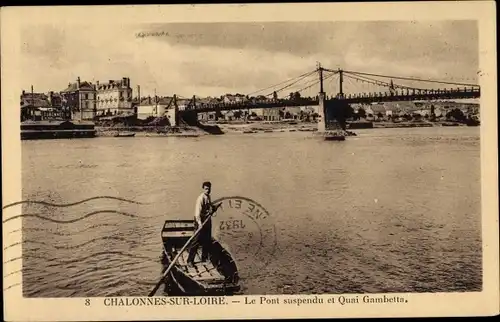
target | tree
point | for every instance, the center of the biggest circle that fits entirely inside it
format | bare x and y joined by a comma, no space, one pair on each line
218,115
407,117
361,112
456,114
237,114
417,117
340,111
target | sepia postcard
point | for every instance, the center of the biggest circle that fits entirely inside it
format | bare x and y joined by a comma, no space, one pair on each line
240,161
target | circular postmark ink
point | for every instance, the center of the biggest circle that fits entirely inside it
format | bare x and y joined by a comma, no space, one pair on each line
248,231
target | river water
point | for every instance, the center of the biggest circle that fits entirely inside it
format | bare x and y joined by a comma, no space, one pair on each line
391,210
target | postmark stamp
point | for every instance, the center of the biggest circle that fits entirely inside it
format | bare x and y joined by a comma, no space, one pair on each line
248,231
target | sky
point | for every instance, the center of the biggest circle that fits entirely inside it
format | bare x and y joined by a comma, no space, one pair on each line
211,59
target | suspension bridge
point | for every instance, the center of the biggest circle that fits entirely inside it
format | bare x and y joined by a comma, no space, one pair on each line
372,88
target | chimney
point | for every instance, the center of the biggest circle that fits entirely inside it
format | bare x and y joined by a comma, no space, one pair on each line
97,83
78,82
149,99
139,92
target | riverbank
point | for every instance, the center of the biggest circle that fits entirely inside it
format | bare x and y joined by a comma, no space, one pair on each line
148,131
235,127
386,125
255,127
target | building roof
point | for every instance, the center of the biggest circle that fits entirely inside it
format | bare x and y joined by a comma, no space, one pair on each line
208,100
36,102
164,100
72,87
119,83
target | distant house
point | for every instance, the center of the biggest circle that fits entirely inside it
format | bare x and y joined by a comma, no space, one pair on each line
153,107
377,110
267,114
207,102
230,115
206,116
233,99
80,98
183,103
34,99
392,109
293,110
310,109
41,106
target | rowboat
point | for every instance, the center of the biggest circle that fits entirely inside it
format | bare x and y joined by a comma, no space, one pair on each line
124,135
218,275
334,138
335,135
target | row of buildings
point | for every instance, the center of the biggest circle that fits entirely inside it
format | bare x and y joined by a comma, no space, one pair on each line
83,100
394,109
80,100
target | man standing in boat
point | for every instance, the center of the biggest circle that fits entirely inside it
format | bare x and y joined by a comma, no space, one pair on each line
203,210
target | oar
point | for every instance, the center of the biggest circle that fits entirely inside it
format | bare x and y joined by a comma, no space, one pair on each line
169,268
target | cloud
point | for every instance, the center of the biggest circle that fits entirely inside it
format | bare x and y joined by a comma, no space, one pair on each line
214,59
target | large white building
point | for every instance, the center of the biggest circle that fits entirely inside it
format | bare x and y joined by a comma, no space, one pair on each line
149,107
114,97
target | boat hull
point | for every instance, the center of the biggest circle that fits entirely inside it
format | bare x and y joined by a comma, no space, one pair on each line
124,135
334,138
218,276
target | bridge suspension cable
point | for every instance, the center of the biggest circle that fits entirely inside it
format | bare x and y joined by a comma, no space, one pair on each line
317,81
298,78
291,84
379,83
412,79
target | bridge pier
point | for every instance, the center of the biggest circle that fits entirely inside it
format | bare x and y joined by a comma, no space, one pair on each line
322,111
173,116
328,111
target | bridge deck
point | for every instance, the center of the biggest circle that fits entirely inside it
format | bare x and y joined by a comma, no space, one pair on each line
351,99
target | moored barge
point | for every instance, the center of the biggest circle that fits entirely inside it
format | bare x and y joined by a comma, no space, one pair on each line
35,130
